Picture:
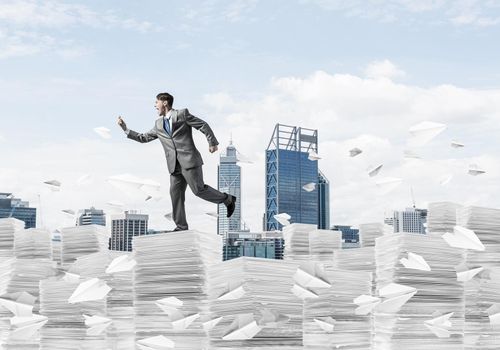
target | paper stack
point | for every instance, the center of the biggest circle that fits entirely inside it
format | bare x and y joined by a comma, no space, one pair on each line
421,303
8,228
82,240
252,305
357,259
369,232
331,320
296,238
323,243
482,289
170,285
116,269
66,328
442,216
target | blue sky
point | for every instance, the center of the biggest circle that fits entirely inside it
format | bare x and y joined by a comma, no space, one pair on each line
67,67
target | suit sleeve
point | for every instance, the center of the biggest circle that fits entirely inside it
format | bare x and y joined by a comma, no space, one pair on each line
142,138
201,125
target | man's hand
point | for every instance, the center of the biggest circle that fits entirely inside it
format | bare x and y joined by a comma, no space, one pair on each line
122,124
212,149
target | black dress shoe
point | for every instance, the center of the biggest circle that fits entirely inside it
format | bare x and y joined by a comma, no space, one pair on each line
179,229
231,206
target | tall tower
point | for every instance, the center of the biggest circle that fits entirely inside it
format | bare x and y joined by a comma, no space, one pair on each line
288,169
409,220
229,181
323,202
124,227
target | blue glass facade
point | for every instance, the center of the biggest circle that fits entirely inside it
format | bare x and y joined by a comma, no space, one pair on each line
16,208
237,245
348,234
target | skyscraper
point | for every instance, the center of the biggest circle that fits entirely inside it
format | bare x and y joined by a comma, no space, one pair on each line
410,220
124,227
91,216
323,202
11,207
288,169
229,181
267,245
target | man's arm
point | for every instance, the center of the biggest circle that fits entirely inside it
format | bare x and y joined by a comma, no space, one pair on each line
201,125
134,135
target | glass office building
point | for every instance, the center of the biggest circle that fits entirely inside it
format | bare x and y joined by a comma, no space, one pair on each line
11,207
124,227
257,245
410,220
91,216
323,202
288,169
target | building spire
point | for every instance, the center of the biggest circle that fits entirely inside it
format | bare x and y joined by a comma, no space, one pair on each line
230,138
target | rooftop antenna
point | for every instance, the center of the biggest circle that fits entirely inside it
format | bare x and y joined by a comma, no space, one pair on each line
230,138
412,197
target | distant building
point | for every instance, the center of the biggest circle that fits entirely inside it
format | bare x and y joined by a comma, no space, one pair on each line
260,245
11,207
124,227
229,181
349,234
410,220
323,202
91,216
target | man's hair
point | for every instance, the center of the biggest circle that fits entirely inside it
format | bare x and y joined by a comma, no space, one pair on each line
165,96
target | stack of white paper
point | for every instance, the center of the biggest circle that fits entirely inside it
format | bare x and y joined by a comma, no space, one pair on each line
116,269
170,285
252,305
66,328
331,320
322,244
442,216
82,240
481,290
357,259
33,244
417,285
296,238
369,232
8,228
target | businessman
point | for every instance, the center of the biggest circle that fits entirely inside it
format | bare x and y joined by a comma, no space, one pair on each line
174,129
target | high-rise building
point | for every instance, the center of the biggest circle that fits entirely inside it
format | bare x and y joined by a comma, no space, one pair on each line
259,245
349,234
11,207
91,216
409,220
323,202
289,167
124,227
229,181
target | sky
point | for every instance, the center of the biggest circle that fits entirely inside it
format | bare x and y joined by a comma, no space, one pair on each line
361,72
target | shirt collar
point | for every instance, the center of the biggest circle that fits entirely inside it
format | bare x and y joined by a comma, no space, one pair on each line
169,114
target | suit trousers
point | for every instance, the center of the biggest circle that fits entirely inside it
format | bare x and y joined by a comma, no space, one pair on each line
193,177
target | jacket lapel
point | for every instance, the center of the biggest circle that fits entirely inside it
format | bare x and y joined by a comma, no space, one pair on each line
174,121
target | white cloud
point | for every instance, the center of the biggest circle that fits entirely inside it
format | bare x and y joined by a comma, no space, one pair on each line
384,69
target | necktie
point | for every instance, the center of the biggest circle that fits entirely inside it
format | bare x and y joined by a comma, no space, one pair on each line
166,125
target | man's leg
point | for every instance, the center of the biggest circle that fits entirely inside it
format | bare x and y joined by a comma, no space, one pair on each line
194,178
178,195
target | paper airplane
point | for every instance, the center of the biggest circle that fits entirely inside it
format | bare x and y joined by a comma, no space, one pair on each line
103,132
170,302
20,303
366,303
212,214
242,328
116,204
121,263
326,323
465,274
54,185
354,152
22,321
313,156
440,325
233,293
387,184
170,306
208,325
272,318
494,314
68,211
96,324
71,277
416,262
159,342
456,144
309,187
474,170
168,216
409,154
92,289
307,276
395,296
283,218
27,332
135,186
82,180
303,293
374,170
240,158
463,238
184,322
445,179
148,198
424,132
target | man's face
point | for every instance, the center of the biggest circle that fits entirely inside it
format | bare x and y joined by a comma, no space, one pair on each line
161,107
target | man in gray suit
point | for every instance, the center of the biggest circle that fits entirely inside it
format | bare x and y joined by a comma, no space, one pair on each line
174,129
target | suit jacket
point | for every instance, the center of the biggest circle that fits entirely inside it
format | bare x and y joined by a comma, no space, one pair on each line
180,145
